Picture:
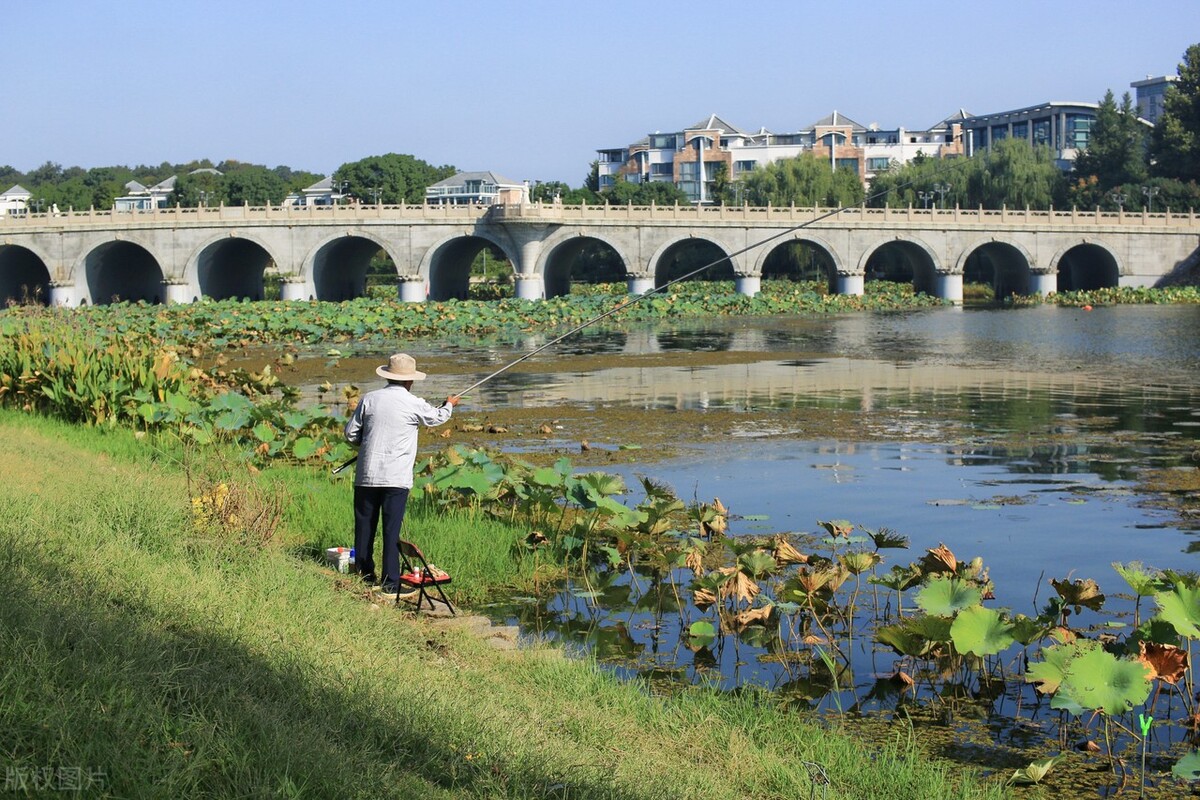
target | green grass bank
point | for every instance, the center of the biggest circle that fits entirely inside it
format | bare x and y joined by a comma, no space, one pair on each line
142,655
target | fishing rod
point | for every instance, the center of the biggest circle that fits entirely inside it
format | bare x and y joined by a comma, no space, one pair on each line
650,292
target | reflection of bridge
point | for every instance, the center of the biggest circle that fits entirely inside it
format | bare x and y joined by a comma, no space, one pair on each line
324,252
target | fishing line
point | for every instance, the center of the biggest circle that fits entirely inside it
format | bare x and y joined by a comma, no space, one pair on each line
649,292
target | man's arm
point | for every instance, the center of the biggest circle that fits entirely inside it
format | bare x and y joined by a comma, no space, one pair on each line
353,429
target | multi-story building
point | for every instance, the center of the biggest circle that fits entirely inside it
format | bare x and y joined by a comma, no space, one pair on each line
476,188
695,157
1150,94
1064,127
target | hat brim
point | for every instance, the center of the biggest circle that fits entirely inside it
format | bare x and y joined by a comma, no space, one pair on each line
384,372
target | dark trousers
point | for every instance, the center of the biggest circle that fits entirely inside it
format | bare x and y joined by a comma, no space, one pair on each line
369,503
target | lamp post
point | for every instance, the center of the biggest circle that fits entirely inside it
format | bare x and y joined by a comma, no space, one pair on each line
337,188
1119,198
941,189
375,192
1150,191
204,197
925,198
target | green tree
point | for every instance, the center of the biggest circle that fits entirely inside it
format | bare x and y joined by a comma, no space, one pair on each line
395,178
1014,174
1116,151
254,186
205,187
805,180
592,181
662,193
1175,141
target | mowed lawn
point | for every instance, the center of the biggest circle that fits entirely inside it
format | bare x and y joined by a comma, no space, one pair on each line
143,655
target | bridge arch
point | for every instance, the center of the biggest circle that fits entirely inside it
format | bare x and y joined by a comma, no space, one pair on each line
230,267
803,256
122,270
447,265
686,253
339,263
1005,266
567,254
1085,265
24,277
902,260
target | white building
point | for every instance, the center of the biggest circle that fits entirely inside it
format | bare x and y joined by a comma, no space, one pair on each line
476,188
15,200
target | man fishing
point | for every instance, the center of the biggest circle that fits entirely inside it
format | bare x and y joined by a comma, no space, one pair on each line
384,425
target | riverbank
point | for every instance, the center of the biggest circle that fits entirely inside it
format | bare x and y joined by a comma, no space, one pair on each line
144,657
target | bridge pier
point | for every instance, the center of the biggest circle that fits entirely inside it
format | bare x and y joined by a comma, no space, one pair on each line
413,289
748,285
639,284
179,292
530,287
1043,283
949,286
850,284
67,295
294,289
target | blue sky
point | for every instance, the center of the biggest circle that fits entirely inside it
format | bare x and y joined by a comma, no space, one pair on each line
532,89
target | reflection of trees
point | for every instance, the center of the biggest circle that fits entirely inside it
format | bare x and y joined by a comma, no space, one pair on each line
798,261
689,256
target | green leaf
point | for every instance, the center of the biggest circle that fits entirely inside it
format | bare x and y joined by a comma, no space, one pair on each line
757,564
304,447
981,631
1101,681
264,432
1188,767
1145,583
1181,608
1036,770
944,597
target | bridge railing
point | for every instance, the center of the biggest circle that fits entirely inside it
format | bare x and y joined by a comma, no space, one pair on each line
567,214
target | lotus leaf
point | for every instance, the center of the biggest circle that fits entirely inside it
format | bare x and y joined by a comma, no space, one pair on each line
1099,680
898,578
837,527
1144,582
1048,675
304,447
884,538
1188,767
1027,630
1165,662
752,616
701,634
1036,770
939,560
784,553
981,631
264,432
758,564
1181,608
916,636
1079,593
944,597
860,561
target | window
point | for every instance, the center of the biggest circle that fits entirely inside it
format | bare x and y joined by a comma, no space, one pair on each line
878,164
606,180
663,141
662,169
1041,131
612,157
849,163
1020,130
744,166
1079,129
999,132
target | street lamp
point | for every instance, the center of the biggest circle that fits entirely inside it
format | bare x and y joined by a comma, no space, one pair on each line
1150,191
925,198
375,192
338,187
941,189
1119,198
204,197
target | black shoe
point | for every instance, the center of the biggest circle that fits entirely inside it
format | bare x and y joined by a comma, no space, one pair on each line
369,577
389,588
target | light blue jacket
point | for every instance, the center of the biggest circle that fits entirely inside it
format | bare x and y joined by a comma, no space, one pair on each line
384,425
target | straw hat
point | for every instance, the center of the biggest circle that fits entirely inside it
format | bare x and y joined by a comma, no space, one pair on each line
400,367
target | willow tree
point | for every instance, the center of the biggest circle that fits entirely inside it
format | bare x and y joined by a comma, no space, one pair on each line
805,180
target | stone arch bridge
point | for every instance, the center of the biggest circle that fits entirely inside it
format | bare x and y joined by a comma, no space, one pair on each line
182,255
